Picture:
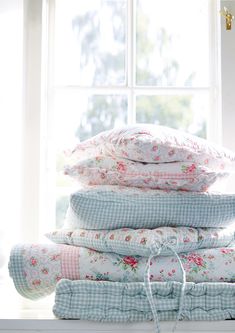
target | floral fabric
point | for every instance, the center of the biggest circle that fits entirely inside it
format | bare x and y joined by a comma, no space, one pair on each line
210,265
108,170
138,241
156,144
42,266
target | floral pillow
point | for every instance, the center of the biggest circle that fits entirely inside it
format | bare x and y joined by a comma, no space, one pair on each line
108,170
156,144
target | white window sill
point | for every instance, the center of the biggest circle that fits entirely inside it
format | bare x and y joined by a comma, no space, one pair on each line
51,325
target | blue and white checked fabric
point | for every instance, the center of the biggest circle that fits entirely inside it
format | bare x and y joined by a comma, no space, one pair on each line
15,267
111,207
127,302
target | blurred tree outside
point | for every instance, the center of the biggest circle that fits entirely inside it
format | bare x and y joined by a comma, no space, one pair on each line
173,111
104,112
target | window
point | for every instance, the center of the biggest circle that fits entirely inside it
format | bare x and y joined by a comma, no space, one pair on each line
90,85
113,62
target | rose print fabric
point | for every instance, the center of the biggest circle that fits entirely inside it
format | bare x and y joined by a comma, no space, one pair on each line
138,241
36,269
156,144
108,170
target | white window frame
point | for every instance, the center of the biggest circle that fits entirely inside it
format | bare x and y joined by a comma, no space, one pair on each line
32,112
133,90
37,16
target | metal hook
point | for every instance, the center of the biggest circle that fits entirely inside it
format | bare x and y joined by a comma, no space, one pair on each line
228,16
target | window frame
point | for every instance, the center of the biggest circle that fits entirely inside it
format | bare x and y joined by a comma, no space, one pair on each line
36,188
36,122
131,88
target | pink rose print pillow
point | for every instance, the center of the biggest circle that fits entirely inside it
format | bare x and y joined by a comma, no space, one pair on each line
107,170
156,144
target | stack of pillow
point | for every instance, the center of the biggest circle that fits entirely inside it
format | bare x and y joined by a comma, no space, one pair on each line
148,191
146,176
148,184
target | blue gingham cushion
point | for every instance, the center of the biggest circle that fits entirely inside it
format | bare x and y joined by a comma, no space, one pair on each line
127,302
138,241
114,207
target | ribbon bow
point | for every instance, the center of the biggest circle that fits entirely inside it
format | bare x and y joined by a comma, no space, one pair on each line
155,250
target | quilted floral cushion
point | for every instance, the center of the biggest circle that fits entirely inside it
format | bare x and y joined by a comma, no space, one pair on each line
108,170
128,241
37,268
156,144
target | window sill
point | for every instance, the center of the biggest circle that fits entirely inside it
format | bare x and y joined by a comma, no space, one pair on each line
32,322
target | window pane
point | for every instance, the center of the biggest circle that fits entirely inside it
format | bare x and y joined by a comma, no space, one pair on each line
184,112
90,39
172,42
62,203
77,118
81,116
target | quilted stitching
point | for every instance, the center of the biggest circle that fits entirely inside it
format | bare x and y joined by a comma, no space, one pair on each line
122,302
138,241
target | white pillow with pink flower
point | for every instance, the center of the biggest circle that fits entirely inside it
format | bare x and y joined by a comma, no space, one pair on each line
108,170
156,144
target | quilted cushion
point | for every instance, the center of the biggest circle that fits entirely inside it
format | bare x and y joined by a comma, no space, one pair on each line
114,207
138,241
108,170
156,144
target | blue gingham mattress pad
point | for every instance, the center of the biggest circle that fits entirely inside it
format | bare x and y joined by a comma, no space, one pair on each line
127,302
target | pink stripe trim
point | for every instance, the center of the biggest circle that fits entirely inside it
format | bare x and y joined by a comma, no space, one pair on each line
70,262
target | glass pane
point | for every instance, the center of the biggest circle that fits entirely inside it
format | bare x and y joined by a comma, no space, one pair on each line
62,203
77,118
172,42
90,42
81,116
184,112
